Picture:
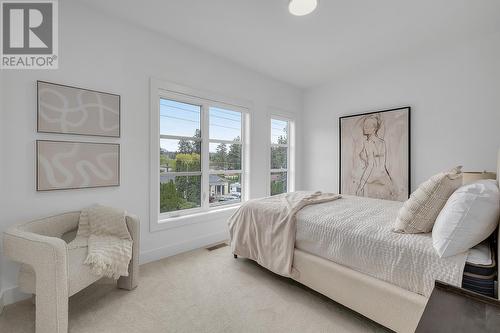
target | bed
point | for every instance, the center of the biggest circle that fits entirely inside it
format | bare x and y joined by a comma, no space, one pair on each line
378,289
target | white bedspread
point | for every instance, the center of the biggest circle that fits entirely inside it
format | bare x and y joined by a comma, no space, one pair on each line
356,232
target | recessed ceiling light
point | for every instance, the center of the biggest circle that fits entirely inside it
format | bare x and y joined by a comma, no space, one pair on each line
302,7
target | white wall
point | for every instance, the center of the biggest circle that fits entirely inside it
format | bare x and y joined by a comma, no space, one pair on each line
454,94
109,55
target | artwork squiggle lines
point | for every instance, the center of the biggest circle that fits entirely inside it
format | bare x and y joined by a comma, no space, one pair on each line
70,110
55,166
65,165
101,170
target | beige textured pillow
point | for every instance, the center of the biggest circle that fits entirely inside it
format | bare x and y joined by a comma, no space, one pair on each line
420,211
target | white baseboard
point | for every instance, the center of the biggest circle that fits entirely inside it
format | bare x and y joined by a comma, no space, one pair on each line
12,295
192,244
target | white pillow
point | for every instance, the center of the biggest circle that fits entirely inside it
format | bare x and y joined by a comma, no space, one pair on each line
469,217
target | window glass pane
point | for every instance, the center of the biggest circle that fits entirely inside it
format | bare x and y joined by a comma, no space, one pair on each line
225,156
225,189
225,124
179,155
179,119
279,157
179,192
279,131
278,182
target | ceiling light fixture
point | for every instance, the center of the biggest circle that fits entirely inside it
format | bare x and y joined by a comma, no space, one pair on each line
302,7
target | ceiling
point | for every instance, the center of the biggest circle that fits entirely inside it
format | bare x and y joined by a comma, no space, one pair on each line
340,36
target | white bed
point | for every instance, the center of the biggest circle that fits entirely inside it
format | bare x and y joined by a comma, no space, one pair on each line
356,232
343,247
366,292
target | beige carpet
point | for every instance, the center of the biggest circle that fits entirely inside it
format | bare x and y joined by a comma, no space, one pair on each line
200,291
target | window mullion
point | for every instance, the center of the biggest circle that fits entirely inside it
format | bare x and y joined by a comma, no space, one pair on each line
227,142
279,145
183,173
177,137
225,172
205,167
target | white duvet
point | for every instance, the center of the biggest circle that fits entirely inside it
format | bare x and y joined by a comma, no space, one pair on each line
356,232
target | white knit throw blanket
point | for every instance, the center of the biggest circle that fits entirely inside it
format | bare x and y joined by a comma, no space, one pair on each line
104,231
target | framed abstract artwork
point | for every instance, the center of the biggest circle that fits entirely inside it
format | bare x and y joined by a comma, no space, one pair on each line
70,110
63,165
375,154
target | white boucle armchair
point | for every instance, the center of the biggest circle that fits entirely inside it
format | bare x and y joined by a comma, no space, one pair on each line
52,271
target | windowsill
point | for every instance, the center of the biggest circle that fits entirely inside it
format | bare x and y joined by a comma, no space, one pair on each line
188,219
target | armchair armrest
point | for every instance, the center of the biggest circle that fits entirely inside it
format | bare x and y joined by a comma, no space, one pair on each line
49,258
133,226
34,249
130,282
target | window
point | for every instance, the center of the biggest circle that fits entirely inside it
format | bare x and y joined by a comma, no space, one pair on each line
280,156
180,155
201,155
224,151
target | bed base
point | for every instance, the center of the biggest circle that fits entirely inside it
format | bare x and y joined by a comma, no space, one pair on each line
382,302
385,303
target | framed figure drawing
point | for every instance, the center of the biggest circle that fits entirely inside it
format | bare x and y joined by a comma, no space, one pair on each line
375,154
70,110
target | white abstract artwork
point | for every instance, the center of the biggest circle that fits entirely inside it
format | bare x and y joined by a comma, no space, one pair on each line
69,110
71,165
375,154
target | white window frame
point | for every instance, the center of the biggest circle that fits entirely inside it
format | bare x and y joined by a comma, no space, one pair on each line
291,148
172,91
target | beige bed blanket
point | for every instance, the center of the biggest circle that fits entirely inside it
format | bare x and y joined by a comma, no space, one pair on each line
264,229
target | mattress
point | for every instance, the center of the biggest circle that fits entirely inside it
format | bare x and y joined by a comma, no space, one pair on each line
356,232
480,270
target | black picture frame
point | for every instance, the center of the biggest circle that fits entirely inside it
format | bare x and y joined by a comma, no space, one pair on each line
408,108
79,88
